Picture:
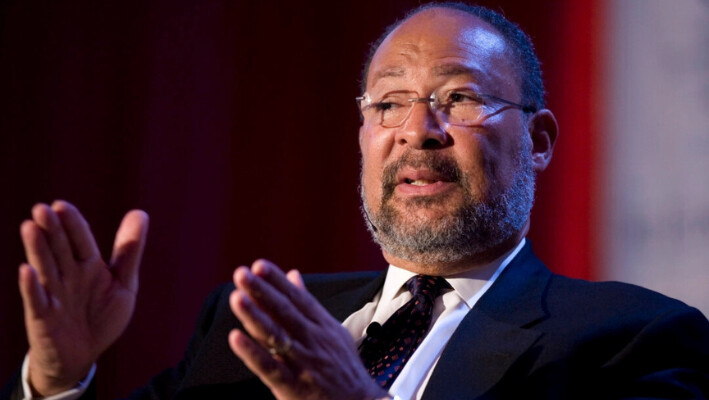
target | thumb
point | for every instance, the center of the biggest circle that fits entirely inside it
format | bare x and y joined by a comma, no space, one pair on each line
128,248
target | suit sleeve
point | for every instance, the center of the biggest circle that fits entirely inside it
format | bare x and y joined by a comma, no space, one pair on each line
668,359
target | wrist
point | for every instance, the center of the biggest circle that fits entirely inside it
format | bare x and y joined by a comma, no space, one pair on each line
41,387
36,384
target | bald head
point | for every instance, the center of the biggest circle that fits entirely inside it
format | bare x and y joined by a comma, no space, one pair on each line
445,43
519,47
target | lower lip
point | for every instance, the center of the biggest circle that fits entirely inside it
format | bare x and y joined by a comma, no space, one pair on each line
409,190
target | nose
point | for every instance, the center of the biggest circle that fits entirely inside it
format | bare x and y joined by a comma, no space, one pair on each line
422,130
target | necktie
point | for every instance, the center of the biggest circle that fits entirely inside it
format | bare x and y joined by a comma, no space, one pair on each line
387,347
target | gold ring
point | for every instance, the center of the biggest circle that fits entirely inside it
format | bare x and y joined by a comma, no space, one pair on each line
281,349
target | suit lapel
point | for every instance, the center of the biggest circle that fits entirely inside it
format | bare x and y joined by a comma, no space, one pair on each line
494,334
344,304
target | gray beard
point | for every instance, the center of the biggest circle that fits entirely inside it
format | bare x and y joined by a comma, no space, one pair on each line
472,229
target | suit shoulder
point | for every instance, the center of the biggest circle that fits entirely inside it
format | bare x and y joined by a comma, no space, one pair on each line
613,290
323,283
330,284
612,299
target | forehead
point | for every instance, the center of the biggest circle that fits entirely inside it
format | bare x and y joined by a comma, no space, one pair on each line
439,43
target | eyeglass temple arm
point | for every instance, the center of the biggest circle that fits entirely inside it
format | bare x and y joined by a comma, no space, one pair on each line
527,109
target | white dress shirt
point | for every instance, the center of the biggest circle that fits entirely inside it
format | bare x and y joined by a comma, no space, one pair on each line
71,394
448,311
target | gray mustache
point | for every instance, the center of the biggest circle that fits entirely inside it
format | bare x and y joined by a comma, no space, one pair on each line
447,167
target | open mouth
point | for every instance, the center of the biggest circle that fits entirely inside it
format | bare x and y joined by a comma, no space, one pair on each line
420,176
422,182
428,175
419,182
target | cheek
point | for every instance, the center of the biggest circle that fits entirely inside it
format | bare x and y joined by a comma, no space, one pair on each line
482,157
491,159
375,149
473,152
371,182
375,142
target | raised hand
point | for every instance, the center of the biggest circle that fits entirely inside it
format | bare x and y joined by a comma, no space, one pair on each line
76,304
296,347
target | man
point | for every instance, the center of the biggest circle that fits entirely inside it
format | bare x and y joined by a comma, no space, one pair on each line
454,130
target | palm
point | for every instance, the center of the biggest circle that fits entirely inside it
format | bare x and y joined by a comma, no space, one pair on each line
82,321
76,305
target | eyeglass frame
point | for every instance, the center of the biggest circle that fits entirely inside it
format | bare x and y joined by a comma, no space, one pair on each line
432,98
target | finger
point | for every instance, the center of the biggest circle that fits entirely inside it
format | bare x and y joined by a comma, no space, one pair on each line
302,300
54,233
295,278
34,297
38,254
259,325
270,371
77,230
128,248
278,307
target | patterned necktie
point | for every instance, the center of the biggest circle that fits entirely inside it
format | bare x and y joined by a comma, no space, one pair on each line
387,347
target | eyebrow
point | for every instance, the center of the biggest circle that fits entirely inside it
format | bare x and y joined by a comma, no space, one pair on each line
395,72
449,69
452,69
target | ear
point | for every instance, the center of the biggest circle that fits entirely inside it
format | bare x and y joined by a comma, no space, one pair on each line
543,130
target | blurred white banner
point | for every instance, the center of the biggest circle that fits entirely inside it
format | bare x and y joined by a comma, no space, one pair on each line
655,152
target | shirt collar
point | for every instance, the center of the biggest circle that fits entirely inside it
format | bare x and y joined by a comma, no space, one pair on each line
467,285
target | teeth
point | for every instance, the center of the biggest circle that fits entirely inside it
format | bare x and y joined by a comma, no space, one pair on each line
421,182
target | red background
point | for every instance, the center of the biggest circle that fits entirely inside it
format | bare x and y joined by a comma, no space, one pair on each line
233,124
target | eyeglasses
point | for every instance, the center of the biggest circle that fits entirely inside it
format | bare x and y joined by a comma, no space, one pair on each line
461,107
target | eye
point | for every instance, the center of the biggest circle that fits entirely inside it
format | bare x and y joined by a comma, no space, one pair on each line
462,97
389,104
382,106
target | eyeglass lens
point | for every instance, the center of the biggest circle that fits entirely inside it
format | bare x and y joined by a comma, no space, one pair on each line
453,107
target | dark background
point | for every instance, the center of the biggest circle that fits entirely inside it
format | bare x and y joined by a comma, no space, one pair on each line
233,124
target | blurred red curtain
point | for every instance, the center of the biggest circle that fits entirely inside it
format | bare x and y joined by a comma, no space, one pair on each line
233,124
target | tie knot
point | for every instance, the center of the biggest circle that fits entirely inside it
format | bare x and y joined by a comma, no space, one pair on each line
429,286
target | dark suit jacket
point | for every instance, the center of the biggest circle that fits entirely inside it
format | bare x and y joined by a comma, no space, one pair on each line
533,335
